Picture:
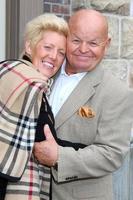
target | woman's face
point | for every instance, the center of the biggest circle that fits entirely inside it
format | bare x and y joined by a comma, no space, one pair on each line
49,53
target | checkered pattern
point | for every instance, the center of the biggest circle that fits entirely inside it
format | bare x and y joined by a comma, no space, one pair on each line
21,88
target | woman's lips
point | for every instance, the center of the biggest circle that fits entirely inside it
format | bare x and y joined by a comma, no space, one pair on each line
50,65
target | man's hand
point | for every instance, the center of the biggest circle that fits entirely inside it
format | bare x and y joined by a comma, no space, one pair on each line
46,151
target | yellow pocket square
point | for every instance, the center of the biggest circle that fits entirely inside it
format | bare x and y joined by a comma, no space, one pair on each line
85,111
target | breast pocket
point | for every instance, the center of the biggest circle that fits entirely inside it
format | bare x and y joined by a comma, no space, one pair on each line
78,129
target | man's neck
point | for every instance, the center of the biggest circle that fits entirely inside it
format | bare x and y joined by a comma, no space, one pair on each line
70,70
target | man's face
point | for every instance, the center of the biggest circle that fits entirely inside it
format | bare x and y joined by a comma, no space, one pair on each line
86,45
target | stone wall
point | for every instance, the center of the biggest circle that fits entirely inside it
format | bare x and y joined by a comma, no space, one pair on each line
120,54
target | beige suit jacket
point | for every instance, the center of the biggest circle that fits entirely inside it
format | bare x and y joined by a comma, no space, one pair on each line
87,173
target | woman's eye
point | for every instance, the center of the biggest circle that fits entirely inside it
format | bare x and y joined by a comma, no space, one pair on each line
62,54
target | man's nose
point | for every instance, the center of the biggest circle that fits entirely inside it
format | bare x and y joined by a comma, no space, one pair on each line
83,47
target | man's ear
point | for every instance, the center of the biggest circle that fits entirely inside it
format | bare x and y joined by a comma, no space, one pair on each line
107,44
28,48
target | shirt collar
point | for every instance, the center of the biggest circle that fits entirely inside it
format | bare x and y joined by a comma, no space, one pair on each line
78,75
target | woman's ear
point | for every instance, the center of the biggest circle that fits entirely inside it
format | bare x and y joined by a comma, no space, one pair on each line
28,49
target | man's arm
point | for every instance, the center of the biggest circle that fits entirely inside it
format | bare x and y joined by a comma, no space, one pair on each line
106,153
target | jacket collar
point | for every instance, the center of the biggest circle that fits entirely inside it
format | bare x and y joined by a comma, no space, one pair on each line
80,95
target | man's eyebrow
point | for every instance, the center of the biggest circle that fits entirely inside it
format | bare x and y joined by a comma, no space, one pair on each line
73,34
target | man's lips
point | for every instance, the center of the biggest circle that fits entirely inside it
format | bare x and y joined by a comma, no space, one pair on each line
84,58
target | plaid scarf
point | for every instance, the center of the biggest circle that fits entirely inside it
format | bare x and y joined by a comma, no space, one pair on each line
21,88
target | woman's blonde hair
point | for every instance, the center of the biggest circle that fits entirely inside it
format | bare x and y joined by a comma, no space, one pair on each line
35,28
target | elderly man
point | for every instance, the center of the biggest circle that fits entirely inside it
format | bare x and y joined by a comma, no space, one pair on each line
92,107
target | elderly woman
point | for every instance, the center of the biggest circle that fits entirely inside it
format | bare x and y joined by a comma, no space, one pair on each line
24,109
22,96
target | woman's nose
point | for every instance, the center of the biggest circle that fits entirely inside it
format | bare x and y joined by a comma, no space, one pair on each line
53,54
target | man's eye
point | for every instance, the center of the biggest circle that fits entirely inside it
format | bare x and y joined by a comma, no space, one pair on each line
47,47
75,41
93,44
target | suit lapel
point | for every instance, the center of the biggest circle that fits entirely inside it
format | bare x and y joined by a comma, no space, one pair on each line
80,95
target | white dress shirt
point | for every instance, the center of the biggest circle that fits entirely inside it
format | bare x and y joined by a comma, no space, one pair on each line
62,88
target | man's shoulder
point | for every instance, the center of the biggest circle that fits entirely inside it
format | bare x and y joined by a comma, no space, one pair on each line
113,80
113,87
